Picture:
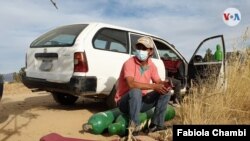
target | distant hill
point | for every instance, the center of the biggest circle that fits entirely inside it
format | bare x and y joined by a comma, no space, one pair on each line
1,81
8,77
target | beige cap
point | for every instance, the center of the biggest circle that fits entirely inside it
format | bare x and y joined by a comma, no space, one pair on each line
146,41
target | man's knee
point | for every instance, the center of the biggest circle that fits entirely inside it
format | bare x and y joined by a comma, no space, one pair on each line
135,93
166,97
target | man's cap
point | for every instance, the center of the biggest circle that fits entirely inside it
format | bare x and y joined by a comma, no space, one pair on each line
146,41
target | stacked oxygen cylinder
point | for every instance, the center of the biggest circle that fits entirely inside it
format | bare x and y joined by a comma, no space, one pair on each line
116,122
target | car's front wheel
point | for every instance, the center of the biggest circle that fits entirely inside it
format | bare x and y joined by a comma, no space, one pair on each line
1,90
64,99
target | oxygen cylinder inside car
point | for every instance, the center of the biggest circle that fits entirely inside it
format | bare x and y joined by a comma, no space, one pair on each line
98,122
218,55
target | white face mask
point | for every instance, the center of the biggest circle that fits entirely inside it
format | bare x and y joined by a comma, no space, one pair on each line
142,55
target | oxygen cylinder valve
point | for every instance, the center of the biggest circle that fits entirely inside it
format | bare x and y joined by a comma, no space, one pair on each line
86,127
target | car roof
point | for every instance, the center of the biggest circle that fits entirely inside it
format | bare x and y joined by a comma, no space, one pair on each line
100,24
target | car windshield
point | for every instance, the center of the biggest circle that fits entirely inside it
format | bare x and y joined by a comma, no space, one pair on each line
59,37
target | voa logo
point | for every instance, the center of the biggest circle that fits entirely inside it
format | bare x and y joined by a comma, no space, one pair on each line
231,16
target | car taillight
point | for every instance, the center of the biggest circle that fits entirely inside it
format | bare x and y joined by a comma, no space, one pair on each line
80,62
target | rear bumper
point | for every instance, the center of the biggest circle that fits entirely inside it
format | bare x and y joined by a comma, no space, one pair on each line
76,86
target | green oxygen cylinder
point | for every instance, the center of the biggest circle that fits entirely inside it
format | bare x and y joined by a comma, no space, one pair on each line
218,55
98,122
121,122
170,113
119,127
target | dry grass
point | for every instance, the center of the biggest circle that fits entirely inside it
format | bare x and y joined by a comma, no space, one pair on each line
229,107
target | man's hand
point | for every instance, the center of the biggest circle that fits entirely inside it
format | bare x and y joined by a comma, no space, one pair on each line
168,84
161,88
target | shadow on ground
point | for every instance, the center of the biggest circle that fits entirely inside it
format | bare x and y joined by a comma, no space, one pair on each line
12,109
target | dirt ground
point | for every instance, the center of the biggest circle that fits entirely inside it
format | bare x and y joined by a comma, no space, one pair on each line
27,116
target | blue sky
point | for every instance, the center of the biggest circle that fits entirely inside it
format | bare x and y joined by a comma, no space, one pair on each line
184,23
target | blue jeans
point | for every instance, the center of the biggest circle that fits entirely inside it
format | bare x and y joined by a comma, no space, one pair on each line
132,103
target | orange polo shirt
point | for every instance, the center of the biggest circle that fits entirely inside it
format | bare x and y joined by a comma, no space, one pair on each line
140,74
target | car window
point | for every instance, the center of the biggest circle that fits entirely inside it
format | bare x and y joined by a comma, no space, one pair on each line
210,51
117,47
101,44
134,38
165,52
59,37
111,40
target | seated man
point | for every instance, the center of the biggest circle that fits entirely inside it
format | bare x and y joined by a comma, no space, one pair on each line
174,70
176,97
132,96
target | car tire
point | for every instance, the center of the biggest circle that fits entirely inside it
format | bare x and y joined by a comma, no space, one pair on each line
110,100
1,90
1,86
64,99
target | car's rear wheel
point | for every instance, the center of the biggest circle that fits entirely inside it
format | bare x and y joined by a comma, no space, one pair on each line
1,86
64,99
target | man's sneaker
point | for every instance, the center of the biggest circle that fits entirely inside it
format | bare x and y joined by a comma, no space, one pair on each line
176,103
154,128
170,102
134,129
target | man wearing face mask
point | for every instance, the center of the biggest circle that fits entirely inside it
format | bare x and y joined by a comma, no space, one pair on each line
135,79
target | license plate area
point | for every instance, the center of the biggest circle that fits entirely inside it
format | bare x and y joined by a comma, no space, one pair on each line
46,65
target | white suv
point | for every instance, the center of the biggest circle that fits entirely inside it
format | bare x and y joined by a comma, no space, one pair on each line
86,59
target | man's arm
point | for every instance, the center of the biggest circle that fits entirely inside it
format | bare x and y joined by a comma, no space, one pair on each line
157,86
